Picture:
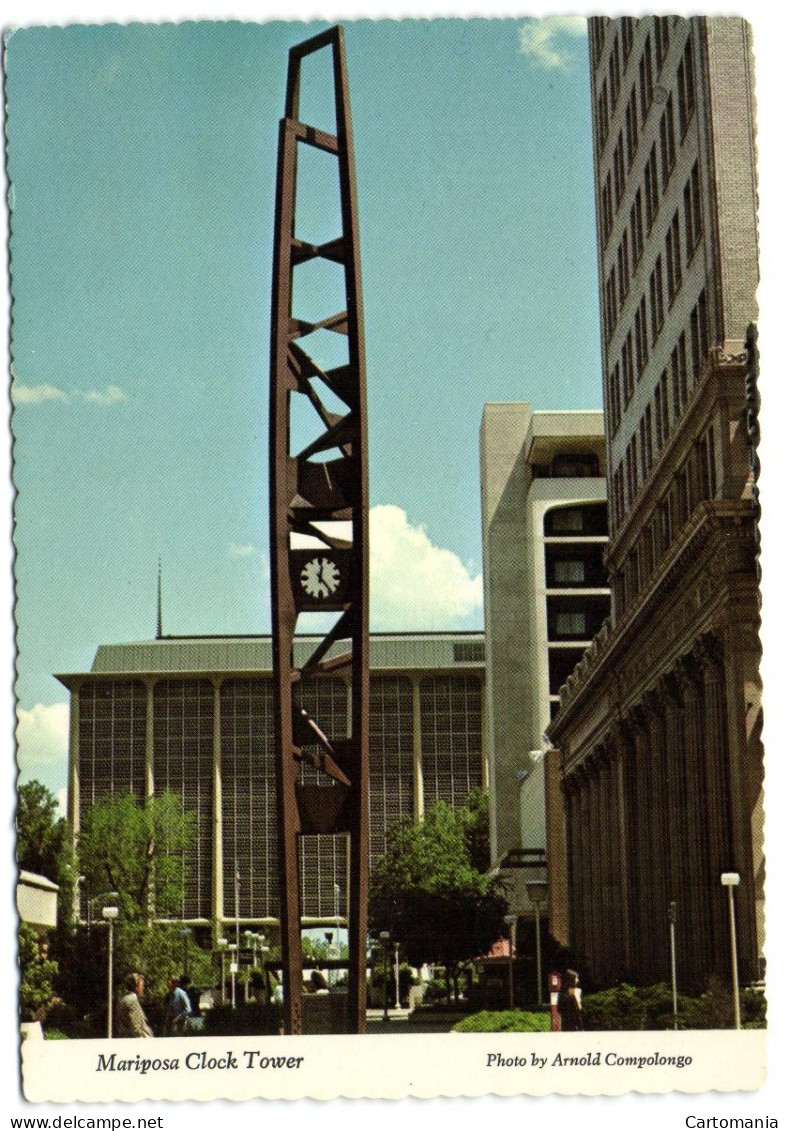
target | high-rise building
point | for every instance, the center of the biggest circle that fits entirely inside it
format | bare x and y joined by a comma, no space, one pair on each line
660,758
544,532
195,716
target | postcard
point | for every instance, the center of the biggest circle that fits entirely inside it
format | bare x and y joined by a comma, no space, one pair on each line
387,410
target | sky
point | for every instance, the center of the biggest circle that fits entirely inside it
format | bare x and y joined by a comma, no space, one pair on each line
141,161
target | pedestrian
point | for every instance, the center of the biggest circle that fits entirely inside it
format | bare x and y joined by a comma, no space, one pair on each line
132,1021
570,1010
179,1007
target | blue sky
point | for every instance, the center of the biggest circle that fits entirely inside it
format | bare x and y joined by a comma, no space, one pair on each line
142,164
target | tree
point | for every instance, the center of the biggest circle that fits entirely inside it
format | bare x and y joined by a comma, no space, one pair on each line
137,850
427,893
44,844
37,970
40,834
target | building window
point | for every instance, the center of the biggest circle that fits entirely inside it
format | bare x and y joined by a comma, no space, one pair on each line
642,352
686,88
627,24
646,78
570,624
645,430
606,209
619,169
631,127
668,146
602,115
614,72
673,259
656,299
699,342
662,29
665,414
636,229
623,266
679,375
614,399
569,572
651,191
572,466
610,303
692,199
628,373
590,520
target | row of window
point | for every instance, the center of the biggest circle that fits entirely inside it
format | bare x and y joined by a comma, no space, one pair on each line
695,481
613,187
670,398
681,241
648,73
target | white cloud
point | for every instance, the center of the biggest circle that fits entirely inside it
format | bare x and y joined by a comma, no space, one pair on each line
40,394
239,550
111,395
42,735
544,40
36,394
415,584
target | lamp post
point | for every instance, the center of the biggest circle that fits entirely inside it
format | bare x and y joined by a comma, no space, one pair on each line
110,914
672,925
384,937
538,897
730,880
397,975
233,948
511,921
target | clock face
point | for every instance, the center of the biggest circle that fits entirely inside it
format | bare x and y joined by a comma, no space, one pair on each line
320,578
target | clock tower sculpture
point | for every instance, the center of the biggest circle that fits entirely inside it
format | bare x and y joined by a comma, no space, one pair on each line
319,526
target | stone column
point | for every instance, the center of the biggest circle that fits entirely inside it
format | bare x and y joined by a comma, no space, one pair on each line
707,655
695,849
679,800
658,821
621,856
419,778
217,858
149,744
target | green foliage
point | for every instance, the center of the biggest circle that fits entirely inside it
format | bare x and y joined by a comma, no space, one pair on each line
138,851
504,1021
44,843
427,892
38,972
626,1007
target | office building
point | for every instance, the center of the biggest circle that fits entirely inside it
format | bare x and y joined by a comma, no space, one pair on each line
656,787
544,531
195,716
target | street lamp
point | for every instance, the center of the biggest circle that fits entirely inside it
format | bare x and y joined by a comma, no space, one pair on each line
538,897
238,901
730,880
384,936
233,948
672,930
511,921
110,914
397,975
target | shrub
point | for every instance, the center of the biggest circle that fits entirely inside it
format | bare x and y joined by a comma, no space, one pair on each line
504,1021
651,1008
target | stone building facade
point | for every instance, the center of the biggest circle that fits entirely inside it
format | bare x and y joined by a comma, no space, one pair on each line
658,766
544,533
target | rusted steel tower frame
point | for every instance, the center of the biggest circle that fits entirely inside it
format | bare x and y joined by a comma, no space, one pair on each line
302,493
